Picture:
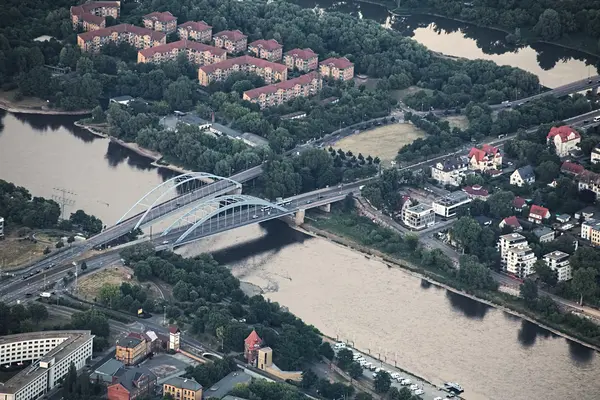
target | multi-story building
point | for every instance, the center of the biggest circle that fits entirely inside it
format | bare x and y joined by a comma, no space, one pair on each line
485,159
232,41
51,353
523,176
509,241
559,261
450,171
520,261
160,22
182,388
337,68
196,53
132,383
1,228
448,206
278,93
132,350
269,50
91,16
476,192
199,31
140,38
269,71
303,60
564,138
590,230
595,157
588,180
418,217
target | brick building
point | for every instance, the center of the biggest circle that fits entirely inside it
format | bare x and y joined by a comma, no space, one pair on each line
199,31
140,38
269,50
196,53
251,346
303,60
160,22
278,93
131,384
337,68
232,41
269,71
91,16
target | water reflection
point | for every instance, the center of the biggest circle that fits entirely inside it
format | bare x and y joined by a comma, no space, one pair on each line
529,332
469,308
116,154
582,355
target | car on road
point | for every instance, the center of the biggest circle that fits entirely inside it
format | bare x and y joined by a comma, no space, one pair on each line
308,201
339,345
254,216
405,382
165,242
395,375
414,387
28,294
419,392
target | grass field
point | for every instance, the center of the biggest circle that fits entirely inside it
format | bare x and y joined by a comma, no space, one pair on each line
89,285
383,142
458,121
401,94
15,251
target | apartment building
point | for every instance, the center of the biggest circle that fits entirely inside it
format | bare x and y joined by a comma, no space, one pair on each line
132,350
520,261
418,217
232,41
337,68
448,206
590,230
160,22
564,138
182,388
140,38
269,71
558,261
197,53
199,31
595,156
269,50
278,93
450,171
509,241
303,60
91,16
588,180
485,159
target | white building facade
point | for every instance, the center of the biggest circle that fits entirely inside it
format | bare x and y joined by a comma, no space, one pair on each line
418,217
559,261
510,241
520,261
448,206
451,171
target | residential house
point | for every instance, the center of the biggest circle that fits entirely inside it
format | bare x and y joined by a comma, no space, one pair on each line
590,230
510,241
544,234
537,214
512,222
132,383
449,205
199,31
568,167
418,217
337,68
519,203
595,157
450,171
269,50
488,158
520,261
195,52
278,93
232,41
82,15
182,388
140,38
476,192
564,138
269,71
559,261
588,180
522,176
160,22
563,218
304,60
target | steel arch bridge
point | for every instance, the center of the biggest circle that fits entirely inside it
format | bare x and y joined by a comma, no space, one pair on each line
223,213
177,192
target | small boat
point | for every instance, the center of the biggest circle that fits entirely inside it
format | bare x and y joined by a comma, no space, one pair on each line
454,387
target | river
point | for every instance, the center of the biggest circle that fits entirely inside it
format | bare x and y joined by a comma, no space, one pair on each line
554,65
427,330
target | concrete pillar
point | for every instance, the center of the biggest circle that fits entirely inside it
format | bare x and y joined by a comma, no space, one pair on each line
299,218
237,191
326,207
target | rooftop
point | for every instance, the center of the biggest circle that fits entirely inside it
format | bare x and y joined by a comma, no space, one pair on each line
121,28
566,133
92,5
450,164
572,168
128,376
270,44
520,250
453,198
513,237
225,385
243,60
340,63
195,25
129,342
476,190
231,35
285,85
303,54
539,210
526,172
542,231
182,45
184,383
512,221
109,368
165,16
92,18
519,202
420,208
557,255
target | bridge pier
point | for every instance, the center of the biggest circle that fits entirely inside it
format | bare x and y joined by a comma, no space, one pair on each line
299,217
325,207
238,190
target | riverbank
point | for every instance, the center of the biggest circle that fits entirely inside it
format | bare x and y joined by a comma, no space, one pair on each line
31,105
499,300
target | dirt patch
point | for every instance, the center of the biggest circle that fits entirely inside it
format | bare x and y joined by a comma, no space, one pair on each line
402,93
11,98
16,251
90,284
370,83
383,142
458,121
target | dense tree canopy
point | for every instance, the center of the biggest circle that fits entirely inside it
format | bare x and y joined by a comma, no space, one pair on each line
18,207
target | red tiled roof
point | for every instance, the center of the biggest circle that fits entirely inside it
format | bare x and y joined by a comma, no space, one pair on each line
88,7
489,149
340,63
563,132
512,221
243,60
301,80
303,54
122,28
165,16
476,191
182,44
572,168
231,35
519,202
270,44
477,153
539,211
589,177
174,329
195,25
92,18
253,338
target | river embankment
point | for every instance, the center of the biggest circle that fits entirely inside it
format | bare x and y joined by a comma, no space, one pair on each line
32,106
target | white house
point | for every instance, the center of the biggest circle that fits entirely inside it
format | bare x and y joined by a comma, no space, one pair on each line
510,241
448,206
488,158
564,139
537,214
520,261
418,217
450,171
595,157
513,222
559,261
522,176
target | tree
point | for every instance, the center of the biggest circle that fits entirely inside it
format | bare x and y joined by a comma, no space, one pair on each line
546,274
355,370
529,292
38,312
382,382
344,358
180,94
466,232
60,244
547,171
549,26
83,266
326,351
475,275
584,282
70,239
98,114
309,379
363,396
500,204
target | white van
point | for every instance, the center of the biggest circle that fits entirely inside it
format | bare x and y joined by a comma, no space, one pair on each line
339,345
597,119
